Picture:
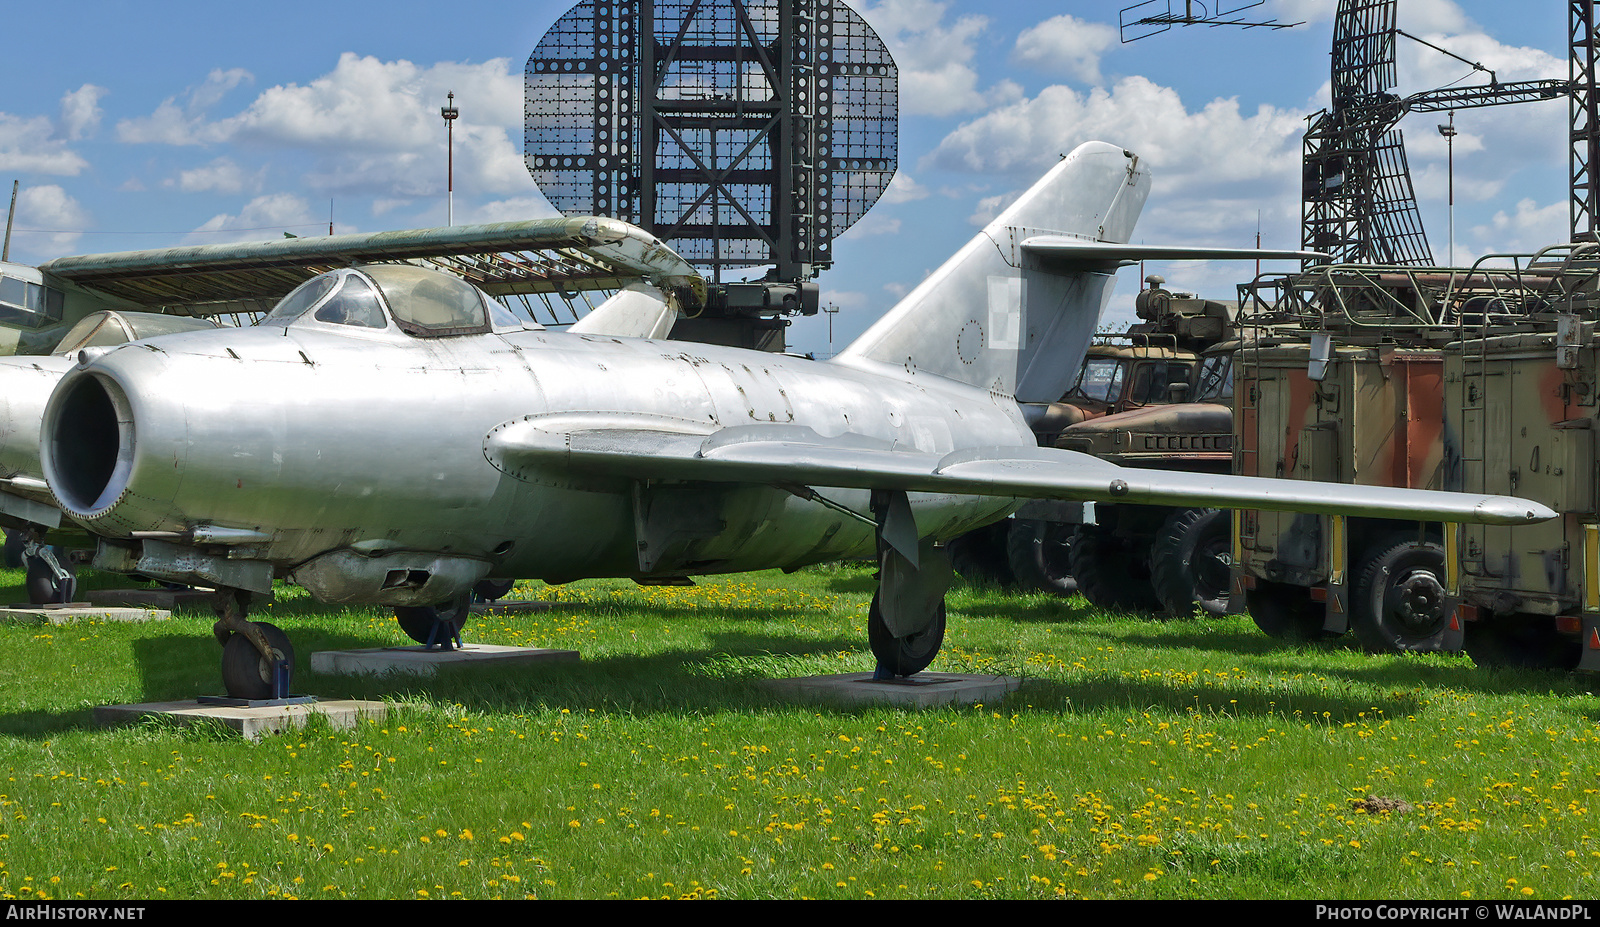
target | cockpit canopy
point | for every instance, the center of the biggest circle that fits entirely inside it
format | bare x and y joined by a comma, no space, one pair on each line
421,302
109,327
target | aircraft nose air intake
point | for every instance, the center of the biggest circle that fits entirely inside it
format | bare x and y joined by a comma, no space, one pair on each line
87,451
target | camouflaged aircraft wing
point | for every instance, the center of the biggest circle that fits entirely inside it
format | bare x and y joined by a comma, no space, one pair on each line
501,258
652,447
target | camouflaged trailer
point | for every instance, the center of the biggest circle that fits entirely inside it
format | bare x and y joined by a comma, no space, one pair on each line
1477,379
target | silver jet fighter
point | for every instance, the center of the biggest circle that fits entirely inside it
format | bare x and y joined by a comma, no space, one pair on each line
196,285
381,438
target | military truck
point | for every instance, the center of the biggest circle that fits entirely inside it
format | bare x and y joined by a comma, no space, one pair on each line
1152,397
1155,558
1481,379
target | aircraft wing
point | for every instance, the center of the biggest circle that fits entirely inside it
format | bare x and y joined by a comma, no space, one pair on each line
1067,253
655,447
502,258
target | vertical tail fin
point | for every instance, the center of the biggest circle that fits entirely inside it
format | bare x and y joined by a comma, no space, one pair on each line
996,317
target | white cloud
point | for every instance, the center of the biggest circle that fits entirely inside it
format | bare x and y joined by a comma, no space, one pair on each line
222,175
29,146
1065,45
1528,228
80,111
183,122
58,217
937,77
262,218
370,126
512,209
991,206
873,224
902,189
1216,145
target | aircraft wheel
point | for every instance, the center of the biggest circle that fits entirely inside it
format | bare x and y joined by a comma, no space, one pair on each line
1398,604
979,556
903,656
489,590
439,625
43,586
1111,574
1285,612
13,550
1040,555
1190,561
248,674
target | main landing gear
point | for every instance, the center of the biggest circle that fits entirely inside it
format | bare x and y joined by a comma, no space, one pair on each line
905,625
50,576
438,627
257,658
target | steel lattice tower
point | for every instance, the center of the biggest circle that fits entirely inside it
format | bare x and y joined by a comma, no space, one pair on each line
745,132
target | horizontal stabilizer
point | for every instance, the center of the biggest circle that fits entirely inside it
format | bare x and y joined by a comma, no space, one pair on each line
1063,253
792,454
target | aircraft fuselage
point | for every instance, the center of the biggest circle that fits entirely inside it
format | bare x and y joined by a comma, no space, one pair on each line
369,451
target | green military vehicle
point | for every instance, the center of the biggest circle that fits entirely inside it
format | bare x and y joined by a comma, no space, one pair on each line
1153,397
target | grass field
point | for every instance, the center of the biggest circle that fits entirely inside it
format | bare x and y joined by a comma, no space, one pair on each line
1141,759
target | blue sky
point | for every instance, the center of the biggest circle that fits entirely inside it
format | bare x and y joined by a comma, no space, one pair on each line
140,125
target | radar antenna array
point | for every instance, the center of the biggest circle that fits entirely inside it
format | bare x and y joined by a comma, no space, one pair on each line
744,132
1143,20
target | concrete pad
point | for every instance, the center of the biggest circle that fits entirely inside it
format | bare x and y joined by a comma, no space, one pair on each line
172,600
924,690
416,661
73,612
251,722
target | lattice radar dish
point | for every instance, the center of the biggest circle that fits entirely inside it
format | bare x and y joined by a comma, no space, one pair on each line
745,132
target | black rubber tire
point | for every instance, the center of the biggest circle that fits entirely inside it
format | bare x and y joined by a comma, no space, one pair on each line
1040,556
418,620
245,672
1111,574
1522,642
1286,612
1398,602
979,556
490,590
904,656
13,550
41,581
1190,562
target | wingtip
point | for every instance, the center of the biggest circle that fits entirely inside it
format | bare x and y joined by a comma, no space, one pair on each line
1507,510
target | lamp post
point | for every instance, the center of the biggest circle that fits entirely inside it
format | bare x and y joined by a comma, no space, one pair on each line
449,113
1449,133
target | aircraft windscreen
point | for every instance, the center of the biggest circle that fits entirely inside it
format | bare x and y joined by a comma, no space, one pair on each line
300,299
428,303
356,303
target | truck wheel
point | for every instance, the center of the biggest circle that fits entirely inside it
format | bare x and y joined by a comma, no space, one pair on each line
1111,574
1190,560
979,556
1039,554
1398,605
1285,612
